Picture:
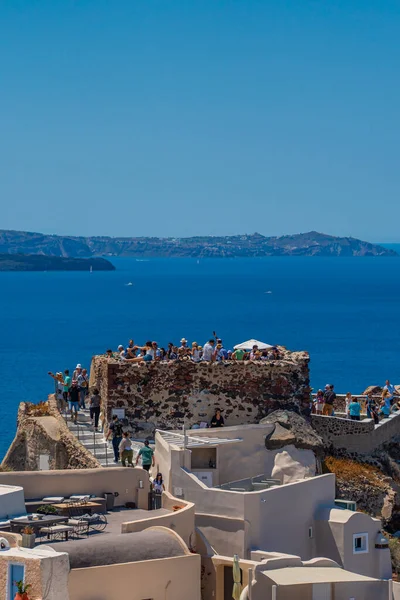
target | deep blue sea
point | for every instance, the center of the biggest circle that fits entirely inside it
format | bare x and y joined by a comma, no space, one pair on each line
344,311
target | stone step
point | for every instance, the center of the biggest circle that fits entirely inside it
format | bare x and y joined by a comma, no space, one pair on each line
91,445
101,455
81,419
84,427
110,464
88,435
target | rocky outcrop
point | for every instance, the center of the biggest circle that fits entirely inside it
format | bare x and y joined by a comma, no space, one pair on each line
297,449
44,433
167,395
292,428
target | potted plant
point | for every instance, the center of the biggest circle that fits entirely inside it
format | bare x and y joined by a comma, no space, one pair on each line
47,509
28,537
22,593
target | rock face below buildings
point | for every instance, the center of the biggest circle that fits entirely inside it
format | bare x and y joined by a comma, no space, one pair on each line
167,395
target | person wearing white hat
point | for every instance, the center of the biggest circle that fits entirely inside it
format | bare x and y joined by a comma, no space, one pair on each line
184,350
77,372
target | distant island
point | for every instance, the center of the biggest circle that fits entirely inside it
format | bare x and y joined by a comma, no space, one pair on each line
255,245
39,262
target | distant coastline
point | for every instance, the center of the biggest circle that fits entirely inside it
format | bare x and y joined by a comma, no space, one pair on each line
255,245
38,262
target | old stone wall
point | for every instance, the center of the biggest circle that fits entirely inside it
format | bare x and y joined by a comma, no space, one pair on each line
362,437
78,457
167,394
47,435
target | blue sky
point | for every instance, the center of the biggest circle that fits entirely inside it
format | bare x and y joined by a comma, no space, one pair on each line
173,117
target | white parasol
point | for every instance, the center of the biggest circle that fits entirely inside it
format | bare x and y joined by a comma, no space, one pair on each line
250,343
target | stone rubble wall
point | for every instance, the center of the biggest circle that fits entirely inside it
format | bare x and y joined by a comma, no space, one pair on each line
46,435
78,457
355,437
166,395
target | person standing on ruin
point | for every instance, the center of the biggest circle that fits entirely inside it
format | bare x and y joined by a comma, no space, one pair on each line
208,350
195,353
67,385
355,410
184,349
83,384
254,352
95,403
329,399
59,390
74,396
77,372
147,455
348,401
391,391
115,432
125,450
319,403
372,409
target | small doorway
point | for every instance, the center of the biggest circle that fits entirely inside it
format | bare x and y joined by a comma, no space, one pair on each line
321,591
228,582
16,573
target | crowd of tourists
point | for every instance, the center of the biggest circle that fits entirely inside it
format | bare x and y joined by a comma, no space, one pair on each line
373,405
212,351
72,393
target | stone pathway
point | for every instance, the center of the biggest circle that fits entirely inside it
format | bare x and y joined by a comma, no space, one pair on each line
95,442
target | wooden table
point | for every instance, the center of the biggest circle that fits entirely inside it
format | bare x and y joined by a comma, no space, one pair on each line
37,524
68,507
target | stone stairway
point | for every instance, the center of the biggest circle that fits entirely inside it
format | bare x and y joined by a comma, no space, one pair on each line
94,441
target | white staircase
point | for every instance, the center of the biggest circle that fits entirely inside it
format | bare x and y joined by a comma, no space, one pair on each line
94,441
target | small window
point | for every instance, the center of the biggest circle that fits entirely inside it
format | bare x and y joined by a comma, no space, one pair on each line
360,543
310,533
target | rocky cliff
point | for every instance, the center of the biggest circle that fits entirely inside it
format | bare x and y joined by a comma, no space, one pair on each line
167,395
303,244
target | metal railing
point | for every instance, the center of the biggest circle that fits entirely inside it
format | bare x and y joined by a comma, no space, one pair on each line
78,434
95,445
95,442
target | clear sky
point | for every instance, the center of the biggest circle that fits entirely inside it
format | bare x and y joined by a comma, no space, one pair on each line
184,117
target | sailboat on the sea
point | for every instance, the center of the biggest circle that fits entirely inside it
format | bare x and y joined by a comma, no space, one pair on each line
91,269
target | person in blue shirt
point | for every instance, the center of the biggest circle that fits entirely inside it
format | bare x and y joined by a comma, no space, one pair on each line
221,353
354,410
390,390
386,405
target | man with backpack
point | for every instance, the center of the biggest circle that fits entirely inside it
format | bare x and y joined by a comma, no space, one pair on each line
115,431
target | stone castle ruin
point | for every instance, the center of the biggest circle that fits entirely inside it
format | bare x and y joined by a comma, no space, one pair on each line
168,395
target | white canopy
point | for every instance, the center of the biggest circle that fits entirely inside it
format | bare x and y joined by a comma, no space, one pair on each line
250,343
